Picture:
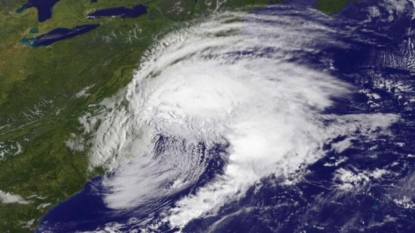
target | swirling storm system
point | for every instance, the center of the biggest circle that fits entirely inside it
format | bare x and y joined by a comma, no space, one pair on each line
234,107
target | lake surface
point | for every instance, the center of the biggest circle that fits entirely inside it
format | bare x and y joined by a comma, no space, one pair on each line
44,8
58,34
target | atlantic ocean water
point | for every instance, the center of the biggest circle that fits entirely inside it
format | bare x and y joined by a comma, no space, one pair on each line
344,162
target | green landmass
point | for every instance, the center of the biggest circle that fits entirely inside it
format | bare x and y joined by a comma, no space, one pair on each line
331,6
41,94
38,87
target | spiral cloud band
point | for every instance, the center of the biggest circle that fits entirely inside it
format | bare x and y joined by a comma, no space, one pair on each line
231,79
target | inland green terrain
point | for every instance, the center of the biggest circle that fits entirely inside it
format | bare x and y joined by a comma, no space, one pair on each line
44,90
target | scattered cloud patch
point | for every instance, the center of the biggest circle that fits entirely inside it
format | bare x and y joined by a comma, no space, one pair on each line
8,198
83,93
355,180
75,143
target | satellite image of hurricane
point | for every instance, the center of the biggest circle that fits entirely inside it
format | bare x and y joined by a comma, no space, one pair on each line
273,118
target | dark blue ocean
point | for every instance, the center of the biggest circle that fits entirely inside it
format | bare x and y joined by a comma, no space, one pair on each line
380,63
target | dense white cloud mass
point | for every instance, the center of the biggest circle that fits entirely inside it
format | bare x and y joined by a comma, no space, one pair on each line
227,79
8,198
